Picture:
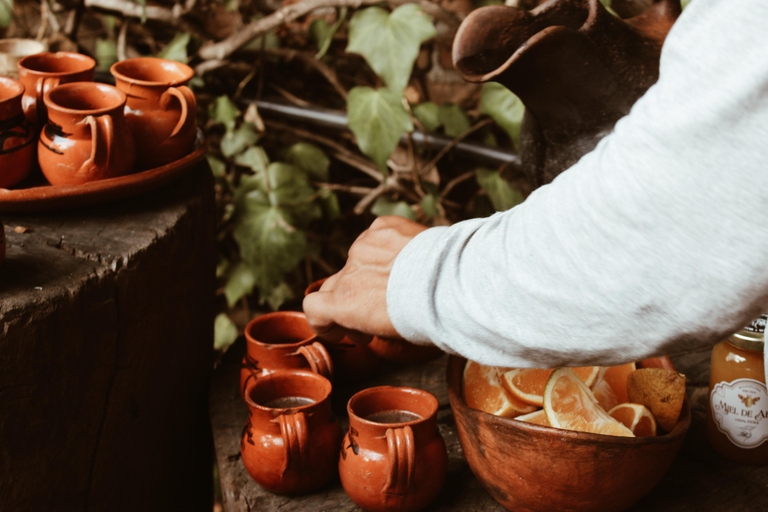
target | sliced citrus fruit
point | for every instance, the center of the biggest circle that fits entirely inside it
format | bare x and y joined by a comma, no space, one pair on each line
570,404
539,417
636,418
527,384
610,388
482,390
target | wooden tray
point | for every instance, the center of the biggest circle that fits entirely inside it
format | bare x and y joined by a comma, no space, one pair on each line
41,196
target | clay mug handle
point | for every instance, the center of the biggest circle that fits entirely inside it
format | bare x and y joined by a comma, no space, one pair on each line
186,98
293,429
318,358
41,85
102,129
401,449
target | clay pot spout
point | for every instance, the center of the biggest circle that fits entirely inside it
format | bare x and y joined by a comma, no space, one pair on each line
576,67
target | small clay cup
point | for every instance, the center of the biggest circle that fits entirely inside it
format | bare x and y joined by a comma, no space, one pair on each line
14,49
282,340
393,457
160,110
401,351
86,138
17,148
291,441
352,362
41,72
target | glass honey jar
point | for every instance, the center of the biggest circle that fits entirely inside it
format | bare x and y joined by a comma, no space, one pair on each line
737,417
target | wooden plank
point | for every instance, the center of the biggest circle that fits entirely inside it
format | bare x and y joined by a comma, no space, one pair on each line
699,479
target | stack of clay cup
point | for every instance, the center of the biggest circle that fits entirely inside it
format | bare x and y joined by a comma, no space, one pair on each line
55,117
392,458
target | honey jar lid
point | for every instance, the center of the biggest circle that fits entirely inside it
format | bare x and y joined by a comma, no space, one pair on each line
752,337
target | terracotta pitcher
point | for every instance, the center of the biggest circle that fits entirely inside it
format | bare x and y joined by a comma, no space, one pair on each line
576,67
85,138
282,340
352,362
17,149
160,110
291,441
43,71
393,457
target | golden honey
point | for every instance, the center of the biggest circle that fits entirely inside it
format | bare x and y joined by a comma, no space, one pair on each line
737,418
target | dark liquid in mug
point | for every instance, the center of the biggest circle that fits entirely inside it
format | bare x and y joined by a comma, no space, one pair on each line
285,402
393,416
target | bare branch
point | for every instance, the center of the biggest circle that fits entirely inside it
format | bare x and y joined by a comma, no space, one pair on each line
452,144
135,10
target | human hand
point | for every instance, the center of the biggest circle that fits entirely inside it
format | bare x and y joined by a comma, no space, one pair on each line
353,302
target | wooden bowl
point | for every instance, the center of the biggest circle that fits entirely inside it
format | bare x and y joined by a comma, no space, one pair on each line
536,468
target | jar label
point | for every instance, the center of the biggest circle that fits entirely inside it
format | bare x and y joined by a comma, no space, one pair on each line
740,411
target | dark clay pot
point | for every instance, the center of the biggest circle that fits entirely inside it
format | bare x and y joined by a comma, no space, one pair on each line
393,457
576,67
282,340
291,441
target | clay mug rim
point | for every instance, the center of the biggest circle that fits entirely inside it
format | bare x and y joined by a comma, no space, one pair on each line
119,71
320,386
53,99
269,317
11,90
32,63
358,401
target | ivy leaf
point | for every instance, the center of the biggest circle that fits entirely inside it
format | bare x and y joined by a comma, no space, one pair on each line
428,115
289,189
223,111
504,107
453,118
237,141
240,282
385,206
390,42
329,202
278,296
429,206
6,13
106,52
378,120
224,332
177,48
502,195
323,33
310,159
255,158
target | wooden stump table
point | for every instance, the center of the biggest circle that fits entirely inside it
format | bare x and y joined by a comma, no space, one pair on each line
106,353
699,480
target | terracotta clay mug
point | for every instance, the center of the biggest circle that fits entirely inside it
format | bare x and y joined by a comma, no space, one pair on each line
291,441
41,72
85,138
352,362
17,149
282,340
160,110
393,458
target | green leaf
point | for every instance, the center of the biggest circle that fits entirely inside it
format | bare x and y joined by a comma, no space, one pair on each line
429,206
278,296
177,48
224,332
322,33
378,120
501,194
106,53
385,206
504,107
453,118
309,158
237,141
218,167
240,282
329,202
254,158
223,111
268,40
428,115
232,5
289,188
6,13
390,43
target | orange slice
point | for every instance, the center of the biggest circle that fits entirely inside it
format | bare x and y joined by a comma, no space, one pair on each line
570,404
636,418
610,388
527,384
538,417
482,390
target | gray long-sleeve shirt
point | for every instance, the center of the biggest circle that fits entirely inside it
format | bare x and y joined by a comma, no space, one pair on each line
654,243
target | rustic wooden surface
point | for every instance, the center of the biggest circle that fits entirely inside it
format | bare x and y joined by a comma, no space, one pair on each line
106,354
699,480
